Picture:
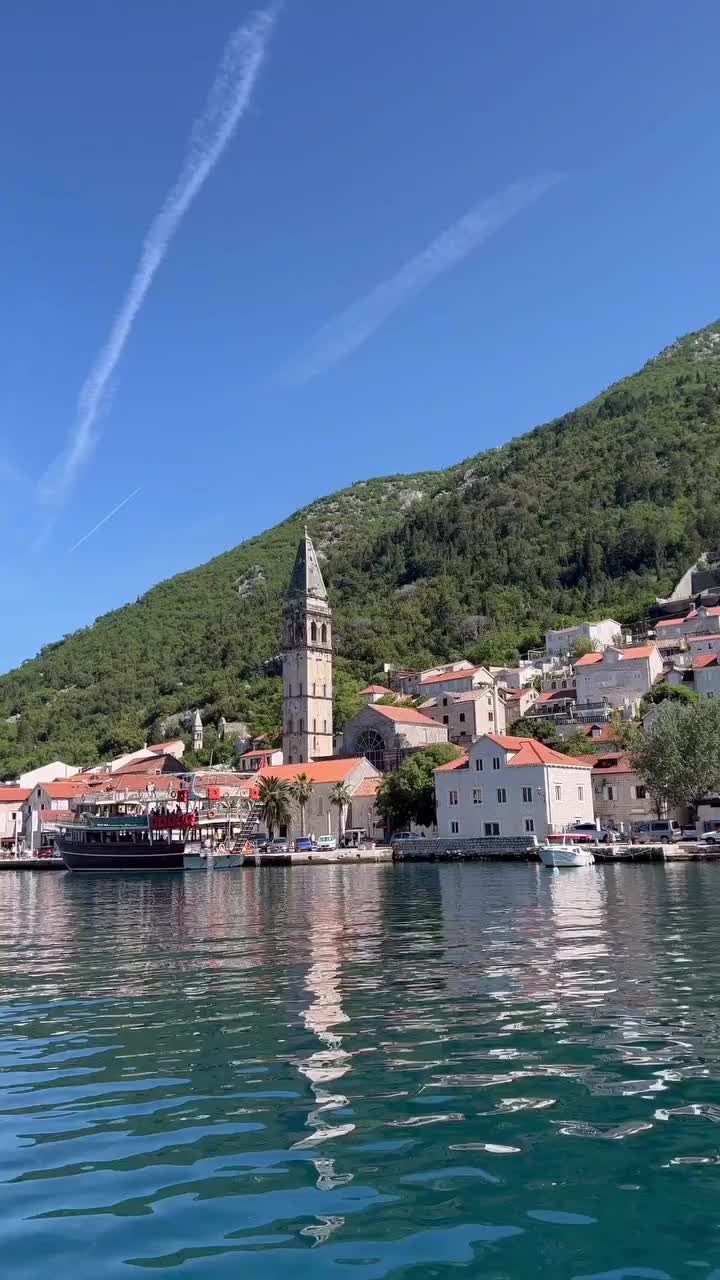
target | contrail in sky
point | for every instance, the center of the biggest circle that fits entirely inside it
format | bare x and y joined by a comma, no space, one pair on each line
227,102
104,520
352,327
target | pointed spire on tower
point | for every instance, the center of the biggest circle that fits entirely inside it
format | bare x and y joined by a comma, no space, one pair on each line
306,579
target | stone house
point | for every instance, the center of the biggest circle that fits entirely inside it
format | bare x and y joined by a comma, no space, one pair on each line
468,715
618,677
508,786
599,634
620,797
702,621
518,702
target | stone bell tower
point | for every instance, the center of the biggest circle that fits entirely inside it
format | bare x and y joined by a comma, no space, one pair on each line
307,662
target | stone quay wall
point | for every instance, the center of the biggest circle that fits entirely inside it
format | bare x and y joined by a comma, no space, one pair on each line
471,849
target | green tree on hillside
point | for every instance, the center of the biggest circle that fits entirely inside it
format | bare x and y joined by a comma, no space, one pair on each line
408,795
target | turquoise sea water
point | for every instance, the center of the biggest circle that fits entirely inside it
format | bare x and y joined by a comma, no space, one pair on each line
361,1072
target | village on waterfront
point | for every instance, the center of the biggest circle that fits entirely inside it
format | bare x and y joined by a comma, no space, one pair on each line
585,738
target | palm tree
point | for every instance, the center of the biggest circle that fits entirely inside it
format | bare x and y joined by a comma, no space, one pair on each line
302,789
275,797
341,797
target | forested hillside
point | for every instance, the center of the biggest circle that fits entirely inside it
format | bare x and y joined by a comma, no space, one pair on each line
597,511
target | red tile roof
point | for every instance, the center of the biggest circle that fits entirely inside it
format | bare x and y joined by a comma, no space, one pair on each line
534,752
613,762
696,639
704,660
332,770
162,748
64,790
669,622
133,781
368,787
628,655
608,732
451,675
375,688
231,779
712,612
14,795
557,695
402,715
530,751
48,816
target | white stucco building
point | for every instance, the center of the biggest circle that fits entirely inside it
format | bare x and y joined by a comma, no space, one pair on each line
459,681
706,675
509,786
321,817
598,634
12,800
52,772
617,676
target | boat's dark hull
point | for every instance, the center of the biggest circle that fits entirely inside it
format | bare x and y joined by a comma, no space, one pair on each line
125,858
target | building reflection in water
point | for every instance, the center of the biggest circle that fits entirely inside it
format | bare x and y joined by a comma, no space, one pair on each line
343,926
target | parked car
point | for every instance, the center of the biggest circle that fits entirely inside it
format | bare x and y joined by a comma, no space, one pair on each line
401,835
661,831
303,844
603,835
277,846
712,837
690,833
325,843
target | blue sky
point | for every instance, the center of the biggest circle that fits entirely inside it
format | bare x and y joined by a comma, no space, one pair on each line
371,129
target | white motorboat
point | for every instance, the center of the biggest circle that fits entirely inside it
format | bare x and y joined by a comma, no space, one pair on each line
565,854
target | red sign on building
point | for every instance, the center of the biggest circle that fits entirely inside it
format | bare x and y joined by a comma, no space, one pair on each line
172,821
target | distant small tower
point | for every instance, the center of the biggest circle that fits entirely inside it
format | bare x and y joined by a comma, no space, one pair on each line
307,662
197,731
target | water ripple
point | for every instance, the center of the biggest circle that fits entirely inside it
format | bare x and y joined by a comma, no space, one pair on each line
397,1070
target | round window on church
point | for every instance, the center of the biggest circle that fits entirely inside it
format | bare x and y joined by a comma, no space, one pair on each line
371,745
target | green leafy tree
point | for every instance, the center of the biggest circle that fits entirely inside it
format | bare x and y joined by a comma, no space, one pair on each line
340,798
302,789
678,756
667,692
408,795
578,744
276,801
541,730
581,646
346,697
